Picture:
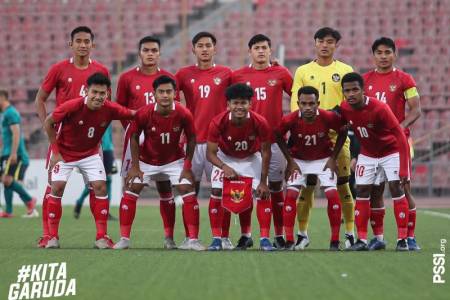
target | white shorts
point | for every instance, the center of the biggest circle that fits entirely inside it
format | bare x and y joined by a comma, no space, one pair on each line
126,156
172,171
200,163
368,169
91,168
248,167
277,164
312,167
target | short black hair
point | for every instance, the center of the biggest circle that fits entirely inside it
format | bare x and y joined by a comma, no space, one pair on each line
163,79
98,78
388,42
81,29
203,34
239,91
353,76
149,39
325,31
308,90
4,93
258,38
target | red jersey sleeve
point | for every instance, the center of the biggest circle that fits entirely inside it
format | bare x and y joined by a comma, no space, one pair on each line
64,109
118,112
179,80
408,82
122,91
287,82
51,79
140,119
335,121
213,132
189,129
285,125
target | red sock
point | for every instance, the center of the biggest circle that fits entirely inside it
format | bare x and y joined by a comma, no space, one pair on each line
127,213
362,215
45,230
92,200
334,212
215,210
167,211
245,219
186,228
191,214
377,220
411,222
226,219
401,216
54,210
264,215
277,199
289,212
101,212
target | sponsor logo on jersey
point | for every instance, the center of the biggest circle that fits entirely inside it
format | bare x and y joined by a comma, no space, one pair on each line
311,77
299,135
192,80
138,87
176,129
370,87
80,122
251,138
217,80
370,125
229,138
153,129
392,87
336,77
103,124
69,79
272,82
321,134
248,83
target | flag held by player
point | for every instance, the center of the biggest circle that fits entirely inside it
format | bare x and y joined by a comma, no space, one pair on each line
237,194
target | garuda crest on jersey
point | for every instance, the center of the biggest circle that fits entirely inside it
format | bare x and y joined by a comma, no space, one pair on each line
392,87
217,80
272,82
237,195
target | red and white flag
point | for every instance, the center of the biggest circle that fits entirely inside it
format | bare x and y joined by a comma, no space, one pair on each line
237,194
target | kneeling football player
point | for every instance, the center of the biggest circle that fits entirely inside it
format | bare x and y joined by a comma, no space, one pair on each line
161,155
309,159
239,146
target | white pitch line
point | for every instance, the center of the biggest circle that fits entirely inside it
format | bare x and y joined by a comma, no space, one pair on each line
436,214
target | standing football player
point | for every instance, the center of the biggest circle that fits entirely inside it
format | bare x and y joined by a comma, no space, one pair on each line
268,82
325,74
68,79
383,149
203,86
83,122
397,89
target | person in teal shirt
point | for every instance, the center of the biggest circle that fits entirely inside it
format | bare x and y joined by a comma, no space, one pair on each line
14,159
110,168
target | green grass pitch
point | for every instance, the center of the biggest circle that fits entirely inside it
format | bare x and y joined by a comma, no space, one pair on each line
148,272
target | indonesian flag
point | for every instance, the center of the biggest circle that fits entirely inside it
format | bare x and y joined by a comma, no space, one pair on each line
237,194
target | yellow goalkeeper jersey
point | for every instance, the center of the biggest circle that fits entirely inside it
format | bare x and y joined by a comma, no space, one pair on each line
327,80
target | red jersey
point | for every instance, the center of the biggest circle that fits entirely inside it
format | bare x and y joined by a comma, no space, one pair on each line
68,80
268,85
373,127
391,88
204,92
135,89
162,133
310,140
239,141
82,129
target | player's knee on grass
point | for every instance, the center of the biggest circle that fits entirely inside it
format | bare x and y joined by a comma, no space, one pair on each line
376,196
396,189
363,191
99,188
185,188
163,187
342,180
216,192
7,180
275,185
58,188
